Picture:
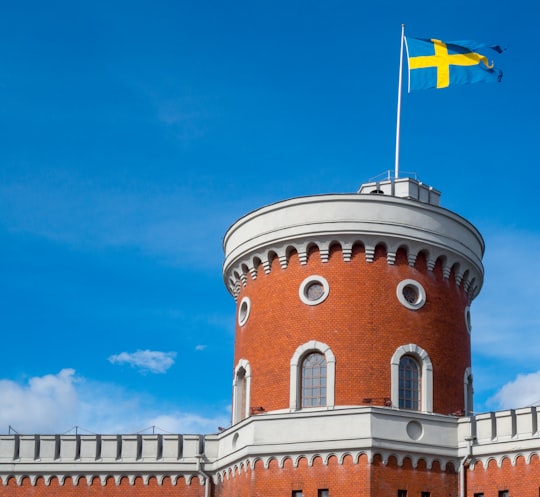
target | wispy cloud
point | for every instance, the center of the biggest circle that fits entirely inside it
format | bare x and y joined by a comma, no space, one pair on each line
56,403
146,361
187,116
523,391
89,214
200,347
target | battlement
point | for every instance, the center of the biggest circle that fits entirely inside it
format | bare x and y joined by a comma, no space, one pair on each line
103,448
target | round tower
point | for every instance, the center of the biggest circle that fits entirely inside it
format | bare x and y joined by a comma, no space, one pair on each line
353,299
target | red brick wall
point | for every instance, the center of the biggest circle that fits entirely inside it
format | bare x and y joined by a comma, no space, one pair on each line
138,489
363,323
386,480
521,480
342,480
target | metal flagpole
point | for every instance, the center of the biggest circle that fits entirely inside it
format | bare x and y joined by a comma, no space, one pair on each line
396,172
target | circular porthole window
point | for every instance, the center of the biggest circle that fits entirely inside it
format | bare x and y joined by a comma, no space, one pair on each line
415,430
313,290
411,294
468,318
243,311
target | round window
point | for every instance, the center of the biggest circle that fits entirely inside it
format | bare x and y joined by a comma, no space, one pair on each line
243,311
313,290
411,294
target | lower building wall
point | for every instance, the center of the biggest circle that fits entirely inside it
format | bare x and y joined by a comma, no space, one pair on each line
340,479
387,479
521,479
96,489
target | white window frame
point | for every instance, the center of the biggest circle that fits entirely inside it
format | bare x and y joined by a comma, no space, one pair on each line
236,415
468,391
295,401
308,281
426,380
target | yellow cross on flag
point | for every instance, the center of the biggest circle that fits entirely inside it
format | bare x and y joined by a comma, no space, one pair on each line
435,64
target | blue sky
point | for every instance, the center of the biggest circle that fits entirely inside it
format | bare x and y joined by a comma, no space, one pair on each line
133,134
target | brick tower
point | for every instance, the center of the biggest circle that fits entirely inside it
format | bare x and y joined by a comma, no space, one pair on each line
351,300
352,371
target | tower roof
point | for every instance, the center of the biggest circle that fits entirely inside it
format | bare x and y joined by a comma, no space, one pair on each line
401,213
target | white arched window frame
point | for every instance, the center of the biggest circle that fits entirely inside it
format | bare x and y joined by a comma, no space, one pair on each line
468,392
241,391
426,381
296,373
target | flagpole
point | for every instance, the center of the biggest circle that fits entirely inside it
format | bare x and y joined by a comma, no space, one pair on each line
396,172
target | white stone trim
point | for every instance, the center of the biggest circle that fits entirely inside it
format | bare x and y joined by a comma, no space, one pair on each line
236,416
420,301
345,219
296,364
468,392
243,311
302,290
467,317
426,383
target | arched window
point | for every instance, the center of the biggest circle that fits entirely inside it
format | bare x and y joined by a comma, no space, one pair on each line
314,380
313,376
469,391
409,383
412,378
241,391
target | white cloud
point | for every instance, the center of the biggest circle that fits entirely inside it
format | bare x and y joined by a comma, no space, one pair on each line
180,422
152,361
56,403
200,347
505,338
41,405
523,391
505,317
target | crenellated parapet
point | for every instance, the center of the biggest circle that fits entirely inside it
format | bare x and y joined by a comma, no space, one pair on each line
82,459
374,435
496,436
348,221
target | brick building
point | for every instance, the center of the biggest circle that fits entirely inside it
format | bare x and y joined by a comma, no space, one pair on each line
352,371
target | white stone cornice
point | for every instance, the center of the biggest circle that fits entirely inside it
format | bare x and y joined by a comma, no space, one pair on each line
279,229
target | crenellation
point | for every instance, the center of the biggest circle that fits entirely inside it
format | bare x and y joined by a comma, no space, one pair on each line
28,447
110,447
49,447
69,449
130,447
90,447
506,424
9,448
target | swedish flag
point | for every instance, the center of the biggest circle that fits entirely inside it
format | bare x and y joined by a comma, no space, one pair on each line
435,64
